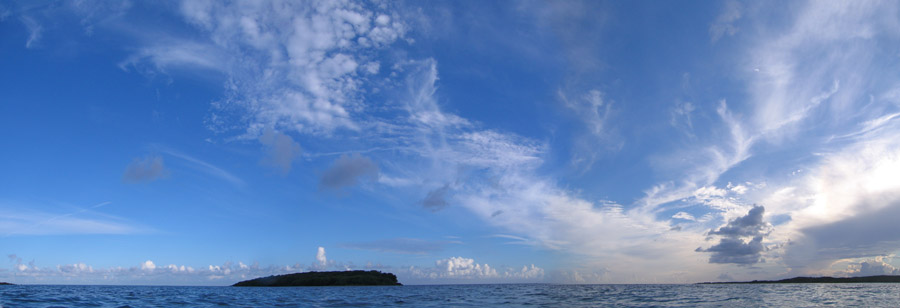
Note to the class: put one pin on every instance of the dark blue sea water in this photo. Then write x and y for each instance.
(529, 295)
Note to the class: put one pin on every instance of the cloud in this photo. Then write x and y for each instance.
(732, 248)
(464, 267)
(147, 169)
(280, 150)
(294, 67)
(724, 23)
(147, 272)
(148, 266)
(736, 251)
(320, 256)
(401, 245)
(594, 111)
(203, 166)
(683, 215)
(466, 270)
(871, 267)
(750, 225)
(20, 220)
(347, 170)
(499, 172)
(840, 207)
(437, 198)
(34, 31)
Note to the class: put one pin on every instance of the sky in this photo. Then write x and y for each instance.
(208, 142)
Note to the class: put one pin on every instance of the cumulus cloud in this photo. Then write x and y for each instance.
(281, 150)
(347, 170)
(75, 269)
(148, 266)
(466, 270)
(732, 248)
(147, 169)
(320, 256)
(143, 273)
(750, 225)
(463, 267)
(871, 267)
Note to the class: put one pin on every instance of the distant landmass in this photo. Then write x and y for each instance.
(320, 279)
(6, 284)
(865, 279)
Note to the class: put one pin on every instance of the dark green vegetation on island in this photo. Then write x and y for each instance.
(866, 279)
(320, 279)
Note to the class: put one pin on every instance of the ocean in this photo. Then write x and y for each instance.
(499, 295)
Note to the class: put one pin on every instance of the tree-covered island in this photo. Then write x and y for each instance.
(319, 279)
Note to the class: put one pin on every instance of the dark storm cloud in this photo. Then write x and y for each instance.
(347, 170)
(732, 248)
(868, 234)
(736, 251)
(750, 225)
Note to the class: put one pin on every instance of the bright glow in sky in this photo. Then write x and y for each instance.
(200, 142)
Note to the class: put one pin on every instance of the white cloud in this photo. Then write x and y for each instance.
(849, 190)
(20, 220)
(594, 111)
(591, 107)
(35, 31)
(177, 55)
(308, 58)
(870, 267)
(724, 23)
(203, 166)
(496, 178)
(467, 270)
(739, 189)
(683, 215)
(463, 267)
(148, 266)
(320, 256)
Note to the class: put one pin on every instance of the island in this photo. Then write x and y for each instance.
(6, 284)
(826, 279)
(322, 279)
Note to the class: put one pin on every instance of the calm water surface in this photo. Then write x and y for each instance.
(528, 295)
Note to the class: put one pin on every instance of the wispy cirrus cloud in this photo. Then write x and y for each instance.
(201, 165)
(24, 221)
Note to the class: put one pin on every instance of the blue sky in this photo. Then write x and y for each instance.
(202, 143)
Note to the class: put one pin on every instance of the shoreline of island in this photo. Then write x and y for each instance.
(823, 279)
